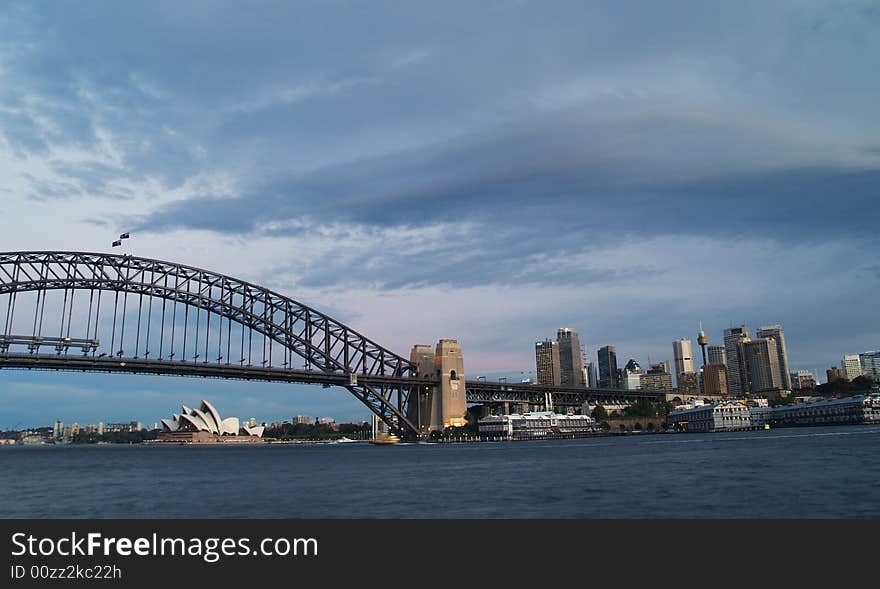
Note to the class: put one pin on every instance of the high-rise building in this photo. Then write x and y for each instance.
(100, 428)
(548, 363)
(715, 379)
(608, 367)
(852, 366)
(58, 429)
(683, 356)
(592, 376)
(762, 360)
(734, 337)
(775, 332)
(687, 383)
(834, 373)
(302, 420)
(870, 362)
(657, 378)
(571, 360)
(717, 355)
(802, 379)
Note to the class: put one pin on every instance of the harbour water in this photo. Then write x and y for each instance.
(820, 472)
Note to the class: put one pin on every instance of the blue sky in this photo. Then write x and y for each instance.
(421, 170)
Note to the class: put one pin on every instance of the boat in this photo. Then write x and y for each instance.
(383, 438)
(766, 426)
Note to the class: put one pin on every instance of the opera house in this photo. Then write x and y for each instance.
(204, 426)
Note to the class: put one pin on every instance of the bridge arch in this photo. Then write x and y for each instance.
(332, 352)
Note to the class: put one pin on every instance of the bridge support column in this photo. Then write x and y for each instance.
(442, 402)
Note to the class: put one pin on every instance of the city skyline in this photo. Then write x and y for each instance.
(489, 173)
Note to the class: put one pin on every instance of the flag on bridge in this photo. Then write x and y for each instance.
(124, 236)
(118, 242)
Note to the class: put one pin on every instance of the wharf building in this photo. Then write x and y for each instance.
(861, 409)
(721, 416)
(608, 373)
(536, 425)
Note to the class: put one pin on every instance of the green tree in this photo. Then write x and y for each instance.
(599, 413)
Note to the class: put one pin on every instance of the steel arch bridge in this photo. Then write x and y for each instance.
(121, 313)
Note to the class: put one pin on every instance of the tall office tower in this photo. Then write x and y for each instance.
(717, 355)
(734, 337)
(715, 379)
(657, 378)
(852, 367)
(592, 378)
(608, 367)
(100, 428)
(58, 429)
(762, 359)
(775, 331)
(834, 373)
(571, 361)
(870, 362)
(683, 356)
(688, 383)
(547, 361)
(802, 379)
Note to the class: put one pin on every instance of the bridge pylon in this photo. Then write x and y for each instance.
(441, 401)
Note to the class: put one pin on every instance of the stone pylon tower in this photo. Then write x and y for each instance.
(439, 405)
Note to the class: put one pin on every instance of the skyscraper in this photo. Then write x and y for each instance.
(852, 367)
(571, 361)
(592, 376)
(870, 362)
(715, 379)
(762, 359)
(683, 356)
(547, 362)
(717, 355)
(608, 367)
(775, 331)
(734, 337)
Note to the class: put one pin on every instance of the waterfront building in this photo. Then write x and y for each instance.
(715, 380)
(851, 365)
(778, 335)
(548, 363)
(58, 430)
(762, 366)
(683, 356)
(717, 355)
(536, 425)
(204, 425)
(608, 373)
(734, 337)
(802, 379)
(870, 362)
(722, 416)
(861, 409)
(571, 360)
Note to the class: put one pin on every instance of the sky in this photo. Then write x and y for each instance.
(488, 172)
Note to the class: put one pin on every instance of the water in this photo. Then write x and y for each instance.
(829, 472)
